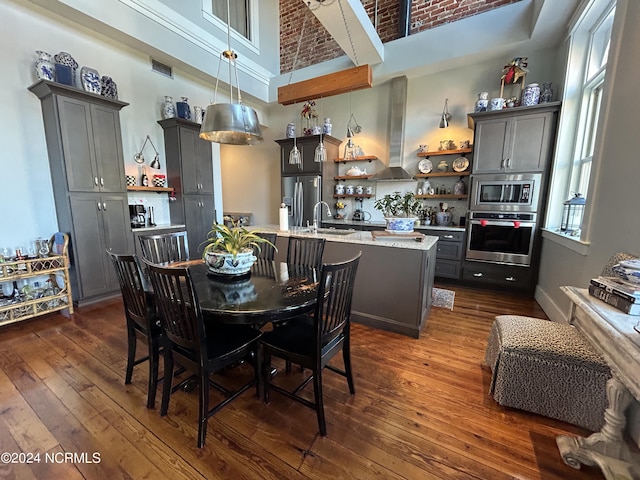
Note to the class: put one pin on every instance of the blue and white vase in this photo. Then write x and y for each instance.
(108, 88)
(44, 66)
(184, 111)
(327, 127)
(531, 95)
(483, 102)
(168, 110)
(63, 58)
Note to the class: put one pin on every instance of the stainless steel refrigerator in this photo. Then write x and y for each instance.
(300, 193)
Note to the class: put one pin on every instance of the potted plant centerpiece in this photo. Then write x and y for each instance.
(400, 211)
(229, 249)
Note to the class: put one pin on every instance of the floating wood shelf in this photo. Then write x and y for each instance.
(368, 158)
(451, 196)
(460, 151)
(442, 174)
(149, 189)
(352, 177)
(355, 195)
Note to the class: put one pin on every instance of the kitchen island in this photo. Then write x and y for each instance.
(394, 280)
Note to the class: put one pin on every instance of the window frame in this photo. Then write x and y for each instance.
(251, 43)
(578, 124)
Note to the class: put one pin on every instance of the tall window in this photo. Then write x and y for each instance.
(239, 18)
(584, 89)
(595, 65)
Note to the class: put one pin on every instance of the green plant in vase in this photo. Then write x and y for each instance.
(229, 250)
(400, 211)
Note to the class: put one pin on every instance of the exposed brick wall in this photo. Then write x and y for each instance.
(318, 46)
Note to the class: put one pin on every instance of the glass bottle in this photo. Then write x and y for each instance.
(144, 181)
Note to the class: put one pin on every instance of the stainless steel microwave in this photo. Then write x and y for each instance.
(506, 192)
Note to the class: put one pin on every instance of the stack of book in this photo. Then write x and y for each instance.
(615, 292)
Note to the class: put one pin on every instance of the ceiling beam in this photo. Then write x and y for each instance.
(336, 83)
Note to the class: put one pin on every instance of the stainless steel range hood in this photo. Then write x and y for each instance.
(397, 110)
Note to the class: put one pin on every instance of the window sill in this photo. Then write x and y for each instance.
(572, 243)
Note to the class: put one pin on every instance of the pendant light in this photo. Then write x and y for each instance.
(294, 155)
(230, 123)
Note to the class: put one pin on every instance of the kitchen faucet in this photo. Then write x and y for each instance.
(315, 218)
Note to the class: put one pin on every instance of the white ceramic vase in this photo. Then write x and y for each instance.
(222, 263)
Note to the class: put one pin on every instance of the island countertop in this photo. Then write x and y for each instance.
(348, 236)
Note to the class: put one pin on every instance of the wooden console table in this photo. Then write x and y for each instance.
(612, 334)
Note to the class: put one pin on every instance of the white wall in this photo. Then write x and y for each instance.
(257, 168)
(613, 203)
(29, 210)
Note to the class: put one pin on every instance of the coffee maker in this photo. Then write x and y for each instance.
(137, 215)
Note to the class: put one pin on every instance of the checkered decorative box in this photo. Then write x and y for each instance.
(159, 180)
(131, 180)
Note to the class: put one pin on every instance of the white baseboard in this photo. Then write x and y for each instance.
(550, 307)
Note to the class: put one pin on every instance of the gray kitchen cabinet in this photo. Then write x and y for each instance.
(449, 253)
(92, 146)
(499, 276)
(84, 143)
(307, 146)
(102, 219)
(514, 140)
(199, 216)
(190, 173)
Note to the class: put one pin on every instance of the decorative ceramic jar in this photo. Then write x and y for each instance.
(339, 189)
(359, 189)
(184, 111)
(460, 188)
(349, 190)
(44, 66)
(483, 102)
(443, 218)
(223, 263)
(400, 224)
(496, 104)
(291, 130)
(327, 127)
(531, 95)
(546, 95)
(168, 110)
(108, 88)
(63, 58)
(198, 114)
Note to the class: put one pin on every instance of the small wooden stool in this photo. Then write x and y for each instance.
(547, 368)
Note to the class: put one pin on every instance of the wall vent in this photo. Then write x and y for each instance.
(161, 68)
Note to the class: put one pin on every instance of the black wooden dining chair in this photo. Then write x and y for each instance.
(204, 351)
(305, 251)
(142, 320)
(266, 251)
(312, 342)
(165, 247)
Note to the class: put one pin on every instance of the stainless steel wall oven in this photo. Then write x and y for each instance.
(501, 237)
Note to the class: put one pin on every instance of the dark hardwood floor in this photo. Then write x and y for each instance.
(421, 409)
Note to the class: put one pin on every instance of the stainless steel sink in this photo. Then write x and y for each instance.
(331, 231)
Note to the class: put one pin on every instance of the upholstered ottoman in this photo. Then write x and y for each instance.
(547, 368)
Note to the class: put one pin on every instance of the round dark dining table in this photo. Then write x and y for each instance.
(272, 292)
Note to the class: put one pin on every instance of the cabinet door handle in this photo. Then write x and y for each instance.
(478, 274)
(508, 163)
(99, 206)
(447, 236)
(511, 279)
(104, 206)
(95, 180)
(101, 182)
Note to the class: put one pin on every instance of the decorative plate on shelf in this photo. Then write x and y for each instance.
(90, 80)
(460, 164)
(425, 165)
